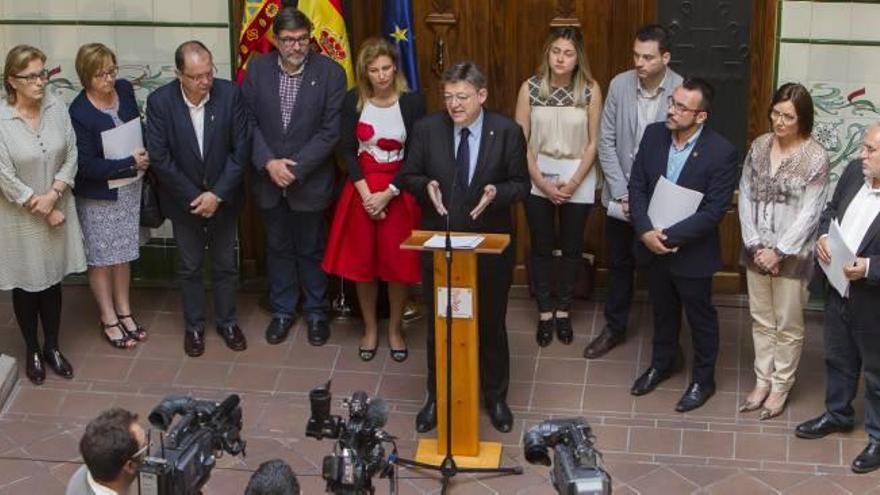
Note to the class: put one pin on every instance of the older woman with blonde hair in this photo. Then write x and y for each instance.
(109, 215)
(41, 241)
(373, 216)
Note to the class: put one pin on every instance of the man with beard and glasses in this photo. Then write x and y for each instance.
(682, 258)
(294, 96)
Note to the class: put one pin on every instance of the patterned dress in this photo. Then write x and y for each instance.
(111, 228)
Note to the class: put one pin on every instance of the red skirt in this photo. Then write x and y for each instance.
(362, 249)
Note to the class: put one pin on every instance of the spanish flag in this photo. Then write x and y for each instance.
(328, 36)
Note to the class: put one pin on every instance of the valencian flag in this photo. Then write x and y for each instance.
(329, 34)
(397, 26)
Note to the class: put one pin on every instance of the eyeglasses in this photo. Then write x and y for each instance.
(459, 97)
(208, 76)
(291, 41)
(112, 72)
(141, 453)
(43, 75)
(787, 118)
(678, 107)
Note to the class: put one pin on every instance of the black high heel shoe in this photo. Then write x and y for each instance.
(545, 331)
(564, 330)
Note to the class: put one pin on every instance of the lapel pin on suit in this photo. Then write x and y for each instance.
(314, 82)
(212, 117)
(491, 133)
(696, 153)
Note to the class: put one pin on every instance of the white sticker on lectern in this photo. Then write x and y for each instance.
(462, 302)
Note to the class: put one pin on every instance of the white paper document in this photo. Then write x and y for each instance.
(561, 171)
(841, 256)
(615, 210)
(462, 302)
(438, 241)
(121, 142)
(672, 203)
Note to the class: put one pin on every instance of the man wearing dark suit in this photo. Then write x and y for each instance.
(682, 258)
(197, 139)
(294, 97)
(852, 323)
(475, 160)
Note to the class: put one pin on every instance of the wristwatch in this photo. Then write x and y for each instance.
(394, 190)
(779, 253)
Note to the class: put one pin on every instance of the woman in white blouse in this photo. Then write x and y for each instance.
(42, 241)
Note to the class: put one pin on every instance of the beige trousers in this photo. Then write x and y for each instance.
(777, 308)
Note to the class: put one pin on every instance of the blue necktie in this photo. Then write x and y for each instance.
(463, 160)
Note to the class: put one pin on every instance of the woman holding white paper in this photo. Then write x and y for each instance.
(559, 109)
(109, 214)
(781, 195)
(41, 240)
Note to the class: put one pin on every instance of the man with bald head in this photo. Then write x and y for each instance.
(852, 321)
(197, 132)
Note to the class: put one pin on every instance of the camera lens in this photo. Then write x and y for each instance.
(320, 400)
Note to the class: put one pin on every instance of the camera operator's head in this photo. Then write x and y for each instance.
(113, 447)
(273, 478)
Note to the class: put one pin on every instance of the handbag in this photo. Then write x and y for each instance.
(151, 210)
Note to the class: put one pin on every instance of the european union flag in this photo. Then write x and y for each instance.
(397, 26)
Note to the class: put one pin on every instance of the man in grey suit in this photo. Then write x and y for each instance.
(113, 448)
(636, 98)
(294, 96)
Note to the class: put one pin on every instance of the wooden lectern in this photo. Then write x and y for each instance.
(467, 449)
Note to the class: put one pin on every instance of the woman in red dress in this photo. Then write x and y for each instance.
(373, 216)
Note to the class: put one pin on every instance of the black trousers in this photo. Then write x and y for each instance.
(494, 276)
(852, 345)
(669, 293)
(32, 307)
(552, 226)
(619, 238)
(217, 234)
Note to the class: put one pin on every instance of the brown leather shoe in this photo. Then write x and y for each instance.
(604, 342)
(233, 336)
(194, 342)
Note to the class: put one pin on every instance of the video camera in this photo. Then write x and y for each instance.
(359, 453)
(578, 467)
(188, 451)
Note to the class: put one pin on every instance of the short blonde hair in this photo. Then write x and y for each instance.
(371, 49)
(17, 60)
(91, 59)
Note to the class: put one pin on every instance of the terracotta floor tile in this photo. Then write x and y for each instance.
(707, 444)
(554, 396)
(738, 485)
(654, 440)
(820, 451)
(615, 373)
(760, 447)
(556, 370)
(662, 481)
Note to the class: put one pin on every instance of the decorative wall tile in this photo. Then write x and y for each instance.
(133, 10)
(210, 10)
(794, 60)
(796, 19)
(864, 21)
(95, 10)
(831, 20)
(177, 11)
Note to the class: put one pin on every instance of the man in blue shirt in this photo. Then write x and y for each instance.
(682, 258)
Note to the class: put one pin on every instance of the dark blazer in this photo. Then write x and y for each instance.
(501, 161)
(412, 108)
(310, 137)
(864, 294)
(710, 169)
(174, 151)
(94, 170)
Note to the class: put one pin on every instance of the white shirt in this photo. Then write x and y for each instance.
(859, 216)
(647, 105)
(197, 114)
(96, 487)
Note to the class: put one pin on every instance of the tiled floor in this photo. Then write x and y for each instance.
(648, 447)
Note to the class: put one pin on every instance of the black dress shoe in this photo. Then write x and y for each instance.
(194, 343)
(278, 330)
(820, 427)
(695, 396)
(648, 381)
(868, 460)
(319, 332)
(34, 368)
(233, 336)
(544, 335)
(59, 364)
(603, 343)
(426, 419)
(564, 331)
(501, 417)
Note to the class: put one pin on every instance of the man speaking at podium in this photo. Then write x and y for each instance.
(470, 164)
